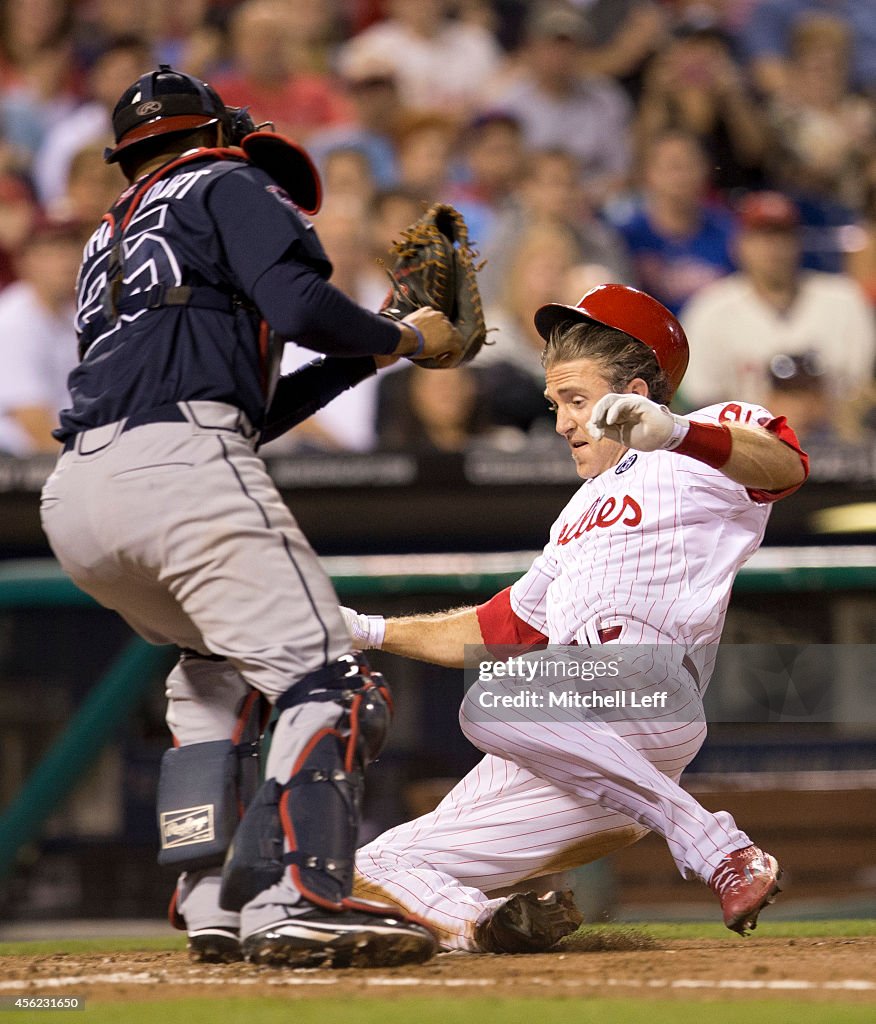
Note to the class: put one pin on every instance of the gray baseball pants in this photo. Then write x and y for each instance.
(178, 527)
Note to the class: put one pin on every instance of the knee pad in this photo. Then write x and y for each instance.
(203, 791)
(199, 796)
(309, 825)
(364, 696)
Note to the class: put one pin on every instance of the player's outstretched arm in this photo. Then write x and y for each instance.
(761, 461)
(752, 456)
(440, 638)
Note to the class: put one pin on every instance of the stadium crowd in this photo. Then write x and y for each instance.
(721, 155)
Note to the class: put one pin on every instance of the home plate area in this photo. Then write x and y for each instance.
(615, 963)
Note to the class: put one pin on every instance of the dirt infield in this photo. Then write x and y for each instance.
(629, 964)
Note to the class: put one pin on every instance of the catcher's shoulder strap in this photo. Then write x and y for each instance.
(286, 163)
(113, 302)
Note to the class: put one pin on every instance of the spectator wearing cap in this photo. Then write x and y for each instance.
(38, 339)
(772, 307)
(371, 86)
(796, 388)
(439, 62)
(560, 107)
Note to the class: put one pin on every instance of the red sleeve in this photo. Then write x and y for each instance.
(500, 625)
(779, 426)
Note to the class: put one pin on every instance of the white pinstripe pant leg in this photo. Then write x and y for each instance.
(611, 764)
(500, 825)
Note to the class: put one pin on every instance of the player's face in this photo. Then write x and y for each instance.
(572, 389)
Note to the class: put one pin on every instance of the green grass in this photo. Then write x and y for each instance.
(660, 932)
(173, 940)
(765, 929)
(459, 1011)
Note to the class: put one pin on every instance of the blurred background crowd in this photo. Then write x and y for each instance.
(721, 155)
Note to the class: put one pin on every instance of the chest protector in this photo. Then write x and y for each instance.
(289, 167)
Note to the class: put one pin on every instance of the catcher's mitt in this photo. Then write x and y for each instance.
(434, 265)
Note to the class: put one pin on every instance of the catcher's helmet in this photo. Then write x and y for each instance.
(631, 311)
(162, 102)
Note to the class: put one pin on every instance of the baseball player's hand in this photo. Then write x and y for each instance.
(366, 631)
(441, 341)
(636, 422)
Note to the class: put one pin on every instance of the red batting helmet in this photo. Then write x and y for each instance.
(631, 311)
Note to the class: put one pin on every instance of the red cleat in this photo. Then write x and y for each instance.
(745, 882)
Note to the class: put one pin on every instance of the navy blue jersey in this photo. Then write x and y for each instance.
(227, 232)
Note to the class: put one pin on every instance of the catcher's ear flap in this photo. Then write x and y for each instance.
(289, 166)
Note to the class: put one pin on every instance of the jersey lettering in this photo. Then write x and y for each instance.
(733, 413)
(603, 513)
(174, 188)
(148, 259)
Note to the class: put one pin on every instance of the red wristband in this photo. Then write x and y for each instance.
(708, 442)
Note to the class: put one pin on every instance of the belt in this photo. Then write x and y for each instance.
(687, 662)
(613, 632)
(170, 413)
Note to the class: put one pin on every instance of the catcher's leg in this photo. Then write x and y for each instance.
(205, 783)
(496, 828)
(290, 869)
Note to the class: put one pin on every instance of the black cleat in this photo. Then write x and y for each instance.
(526, 923)
(346, 938)
(214, 946)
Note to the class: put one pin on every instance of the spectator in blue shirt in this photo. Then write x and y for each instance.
(678, 241)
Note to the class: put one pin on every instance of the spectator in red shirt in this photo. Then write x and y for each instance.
(264, 79)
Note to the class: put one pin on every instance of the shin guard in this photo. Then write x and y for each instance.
(309, 825)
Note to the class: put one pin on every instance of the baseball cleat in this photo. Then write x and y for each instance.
(526, 923)
(214, 946)
(745, 881)
(322, 938)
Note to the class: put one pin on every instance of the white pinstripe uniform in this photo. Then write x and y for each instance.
(645, 553)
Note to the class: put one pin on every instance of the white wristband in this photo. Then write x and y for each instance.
(376, 630)
(366, 631)
(680, 427)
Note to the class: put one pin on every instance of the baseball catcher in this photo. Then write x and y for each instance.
(162, 509)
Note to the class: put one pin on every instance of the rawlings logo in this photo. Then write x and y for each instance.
(149, 107)
(602, 513)
(187, 825)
